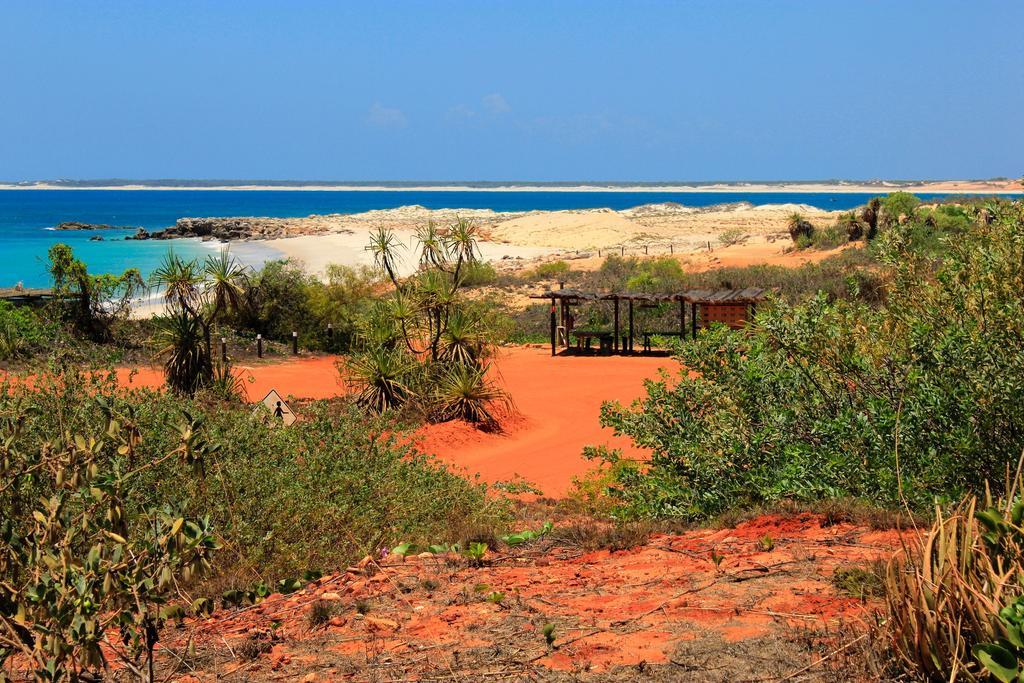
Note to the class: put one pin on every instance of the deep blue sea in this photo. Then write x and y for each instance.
(25, 216)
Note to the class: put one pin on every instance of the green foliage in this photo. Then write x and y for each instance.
(898, 207)
(197, 296)
(527, 535)
(799, 227)
(916, 399)
(425, 343)
(180, 341)
(331, 488)
(464, 393)
(86, 573)
(479, 273)
(282, 298)
(383, 378)
(732, 236)
(551, 269)
(23, 332)
(92, 303)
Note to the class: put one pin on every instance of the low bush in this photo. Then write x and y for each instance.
(551, 269)
(282, 298)
(916, 399)
(282, 500)
(23, 332)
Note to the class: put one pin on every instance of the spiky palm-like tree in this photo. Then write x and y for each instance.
(381, 378)
(464, 341)
(181, 344)
(196, 294)
(799, 227)
(464, 392)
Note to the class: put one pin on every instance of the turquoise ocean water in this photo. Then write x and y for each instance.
(27, 216)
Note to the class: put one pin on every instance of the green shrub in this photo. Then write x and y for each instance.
(329, 489)
(551, 269)
(479, 273)
(898, 207)
(23, 332)
(918, 398)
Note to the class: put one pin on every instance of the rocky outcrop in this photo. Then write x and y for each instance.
(235, 229)
(77, 225)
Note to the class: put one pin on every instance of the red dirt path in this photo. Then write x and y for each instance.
(558, 401)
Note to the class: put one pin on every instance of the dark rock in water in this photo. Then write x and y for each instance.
(140, 234)
(96, 238)
(76, 225)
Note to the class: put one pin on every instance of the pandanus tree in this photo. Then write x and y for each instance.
(197, 295)
(424, 343)
(799, 227)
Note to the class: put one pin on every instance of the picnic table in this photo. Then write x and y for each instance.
(584, 337)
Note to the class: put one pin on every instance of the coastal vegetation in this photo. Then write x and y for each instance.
(424, 345)
(885, 376)
(122, 509)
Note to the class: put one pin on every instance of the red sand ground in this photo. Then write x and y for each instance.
(558, 401)
(559, 404)
(654, 612)
(315, 377)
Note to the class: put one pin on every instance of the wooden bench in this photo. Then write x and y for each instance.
(584, 338)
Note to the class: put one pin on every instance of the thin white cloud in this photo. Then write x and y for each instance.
(386, 117)
(460, 112)
(496, 104)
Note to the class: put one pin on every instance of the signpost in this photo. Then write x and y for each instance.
(276, 406)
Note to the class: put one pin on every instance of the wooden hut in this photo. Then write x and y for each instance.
(732, 307)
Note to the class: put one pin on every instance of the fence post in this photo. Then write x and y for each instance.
(295, 343)
(223, 350)
(330, 336)
(259, 346)
(670, 250)
(622, 251)
(645, 250)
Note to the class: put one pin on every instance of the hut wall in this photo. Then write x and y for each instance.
(732, 315)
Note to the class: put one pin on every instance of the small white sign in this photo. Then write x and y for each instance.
(277, 408)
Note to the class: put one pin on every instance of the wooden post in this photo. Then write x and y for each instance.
(330, 336)
(682, 320)
(554, 324)
(693, 318)
(223, 350)
(622, 251)
(630, 349)
(598, 253)
(295, 343)
(645, 250)
(670, 250)
(259, 346)
(615, 333)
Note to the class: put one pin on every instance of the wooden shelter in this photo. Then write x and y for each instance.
(731, 307)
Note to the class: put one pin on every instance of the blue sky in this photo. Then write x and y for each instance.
(560, 90)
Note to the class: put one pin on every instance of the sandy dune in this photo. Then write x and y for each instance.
(527, 236)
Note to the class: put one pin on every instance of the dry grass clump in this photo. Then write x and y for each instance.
(597, 536)
(944, 594)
